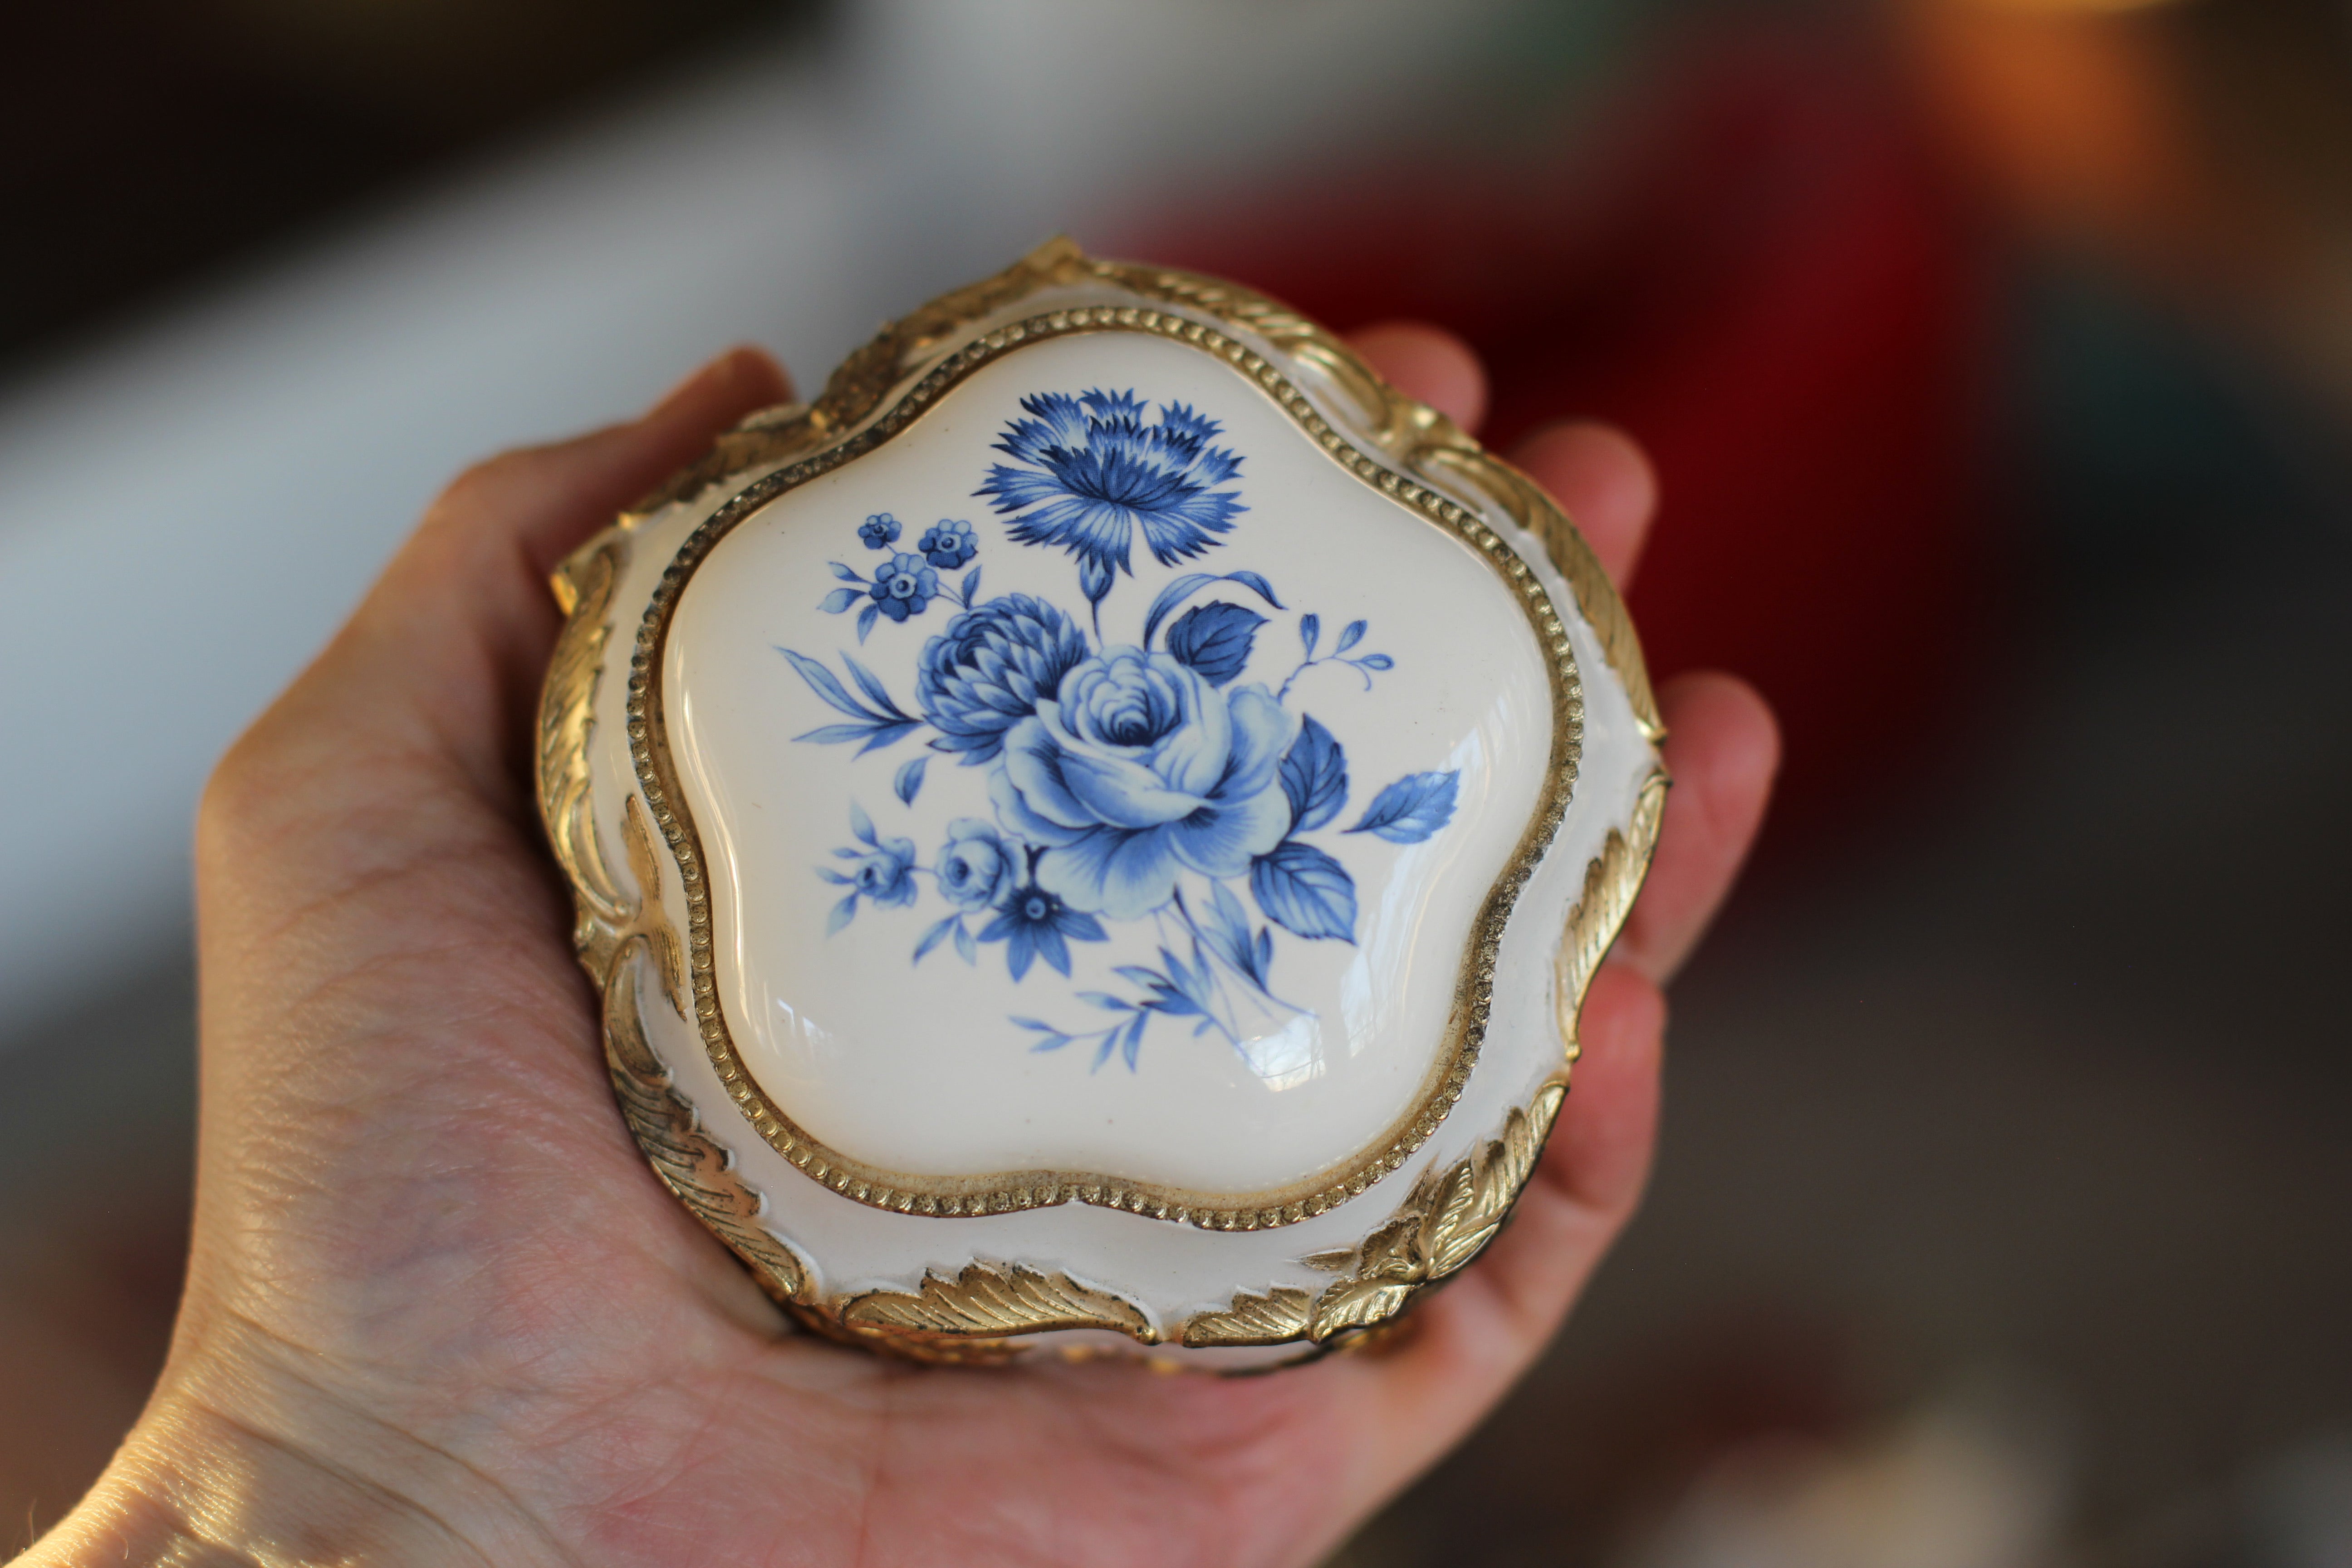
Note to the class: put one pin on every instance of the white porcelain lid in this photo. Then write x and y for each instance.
(1104, 796)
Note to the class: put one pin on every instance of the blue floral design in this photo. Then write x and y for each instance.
(1087, 471)
(1139, 768)
(1130, 782)
(948, 544)
(974, 867)
(884, 871)
(905, 587)
(1033, 923)
(989, 670)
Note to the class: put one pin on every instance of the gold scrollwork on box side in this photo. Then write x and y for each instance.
(619, 936)
(688, 1161)
(606, 918)
(1444, 1222)
(1277, 1318)
(985, 1302)
(1611, 882)
(567, 714)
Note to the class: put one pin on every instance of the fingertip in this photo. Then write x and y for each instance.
(1599, 1156)
(1723, 747)
(1605, 483)
(1722, 732)
(1429, 364)
(744, 378)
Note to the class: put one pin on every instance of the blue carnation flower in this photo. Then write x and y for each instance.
(1090, 472)
(905, 586)
(948, 544)
(990, 668)
(879, 530)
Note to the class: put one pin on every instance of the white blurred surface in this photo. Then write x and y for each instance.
(188, 510)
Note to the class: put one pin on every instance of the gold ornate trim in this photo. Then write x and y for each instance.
(691, 1164)
(1443, 1223)
(1611, 882)
(983, 1301)
(1011, 1191)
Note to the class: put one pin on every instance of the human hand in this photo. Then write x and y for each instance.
(438, 1309)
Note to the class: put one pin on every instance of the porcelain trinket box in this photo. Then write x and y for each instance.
(1095, 832)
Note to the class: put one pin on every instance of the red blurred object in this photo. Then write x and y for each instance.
(1775, 290)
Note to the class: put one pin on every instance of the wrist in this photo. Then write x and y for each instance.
(250, 1464)
(190, 1486)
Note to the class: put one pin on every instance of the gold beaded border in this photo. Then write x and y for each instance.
(1012, 1192)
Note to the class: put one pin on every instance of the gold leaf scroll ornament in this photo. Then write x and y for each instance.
(973, 1316)
(1444, 1222)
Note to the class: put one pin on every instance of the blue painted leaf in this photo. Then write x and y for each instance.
(821, 681)
(1134, 1038)
(1105, 1000)
(873, 688)
(1377, 661)
(1411, 809)
(1020, 1023)
(1304, 890)
(844, 573)
(840, 913)
(935, 935)
(884, 734)
(1193, 977)
(1166, 996)
(1054, 1039)
(865, 620)
(1314, 777)
(1348, 637)
(965, 948)
(839, 600)
(909, 780)
(859, 823)
(970, 589)
(835, 877)
(1227, 930)
(1192, 583)
(1264, 950)
(1311, 632)
(1214, 639)
(834, 734)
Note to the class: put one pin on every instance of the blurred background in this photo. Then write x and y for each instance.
(1995, 356)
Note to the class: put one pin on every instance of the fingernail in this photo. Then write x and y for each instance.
(715, 373)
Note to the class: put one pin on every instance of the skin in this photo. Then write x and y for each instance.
(438, 1308)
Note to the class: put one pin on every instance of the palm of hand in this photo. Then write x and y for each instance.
(439, 1310)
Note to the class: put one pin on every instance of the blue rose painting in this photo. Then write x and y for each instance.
(1126, 783)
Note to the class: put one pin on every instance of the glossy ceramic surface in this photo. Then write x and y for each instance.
(1096, 843)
